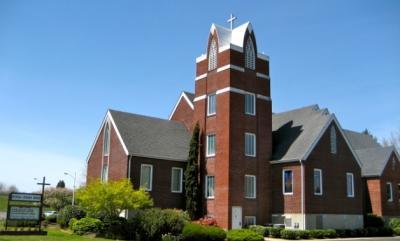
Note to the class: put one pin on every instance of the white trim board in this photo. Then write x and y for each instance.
(183, 95)
(107, 117)
(234, 90)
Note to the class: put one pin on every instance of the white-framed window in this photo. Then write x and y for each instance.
(211, 104)
(106, 140)
(104, 172)
(318, 182)
(249, 220)
(350, 184)
(389, 192)
(212, 55)
(250, 56)
(210, 145)
(250, 104)
(287, 182)
(250, 144)
(250, 186)
(176, 179)
(210, 184)
(146, 176)
(333, 140)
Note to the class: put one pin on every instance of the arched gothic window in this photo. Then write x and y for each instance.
(250, 60)
(212, 56)
(106, 141)
(333, 140)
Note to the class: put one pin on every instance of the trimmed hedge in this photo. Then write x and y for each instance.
(69, 212)
(260, 230)
(86, 225)
(394, 223)
(244, 235)
(197, 232)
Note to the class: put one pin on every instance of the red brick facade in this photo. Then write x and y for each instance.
(183, 113)
(378, 202)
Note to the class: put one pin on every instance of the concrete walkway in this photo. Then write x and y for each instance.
(348, 239)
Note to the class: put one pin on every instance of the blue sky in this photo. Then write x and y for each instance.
(64, 63)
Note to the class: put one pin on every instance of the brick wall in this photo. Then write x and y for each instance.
(183, 113)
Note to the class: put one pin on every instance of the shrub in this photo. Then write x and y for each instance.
(118, 228)
(394, 223)
(151, 224)
(288, 234)
(260, 230)
(207, 221)
(68, 213)
(345, 233)
(170, 237)
(72, 222)
(51, 218)
(373, 221)
(87, 225)
(317, 233)
(330, 233)
(396, 231)
(244, 235)
(274, 232)
(197, 232)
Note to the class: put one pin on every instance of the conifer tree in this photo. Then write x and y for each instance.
(192, 185)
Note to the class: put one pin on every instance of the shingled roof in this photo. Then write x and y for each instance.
(373, 156)
(152, 137)
(295, 131)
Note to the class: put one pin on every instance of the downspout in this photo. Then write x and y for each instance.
(302, 195)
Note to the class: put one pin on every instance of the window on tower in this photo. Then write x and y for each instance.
(250, 58)
(212, 56)
(106, 141)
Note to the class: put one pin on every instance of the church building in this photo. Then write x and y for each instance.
(295, 168)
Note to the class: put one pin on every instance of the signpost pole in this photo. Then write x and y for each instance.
(43, 183)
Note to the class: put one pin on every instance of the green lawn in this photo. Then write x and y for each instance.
(54, 234)
(3, 203)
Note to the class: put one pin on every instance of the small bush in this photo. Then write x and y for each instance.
(274, 232)
(170, 237)
(244, 235)
(260, 230)
(396, 231)
(303, 234)
(394, 223)
(118, 228)
(197, 232)
(72, 222)
(69, 212)
(317, 233)
(373, 221)
(207, 221)
(87, 225)
(289, 234)
(51, 218)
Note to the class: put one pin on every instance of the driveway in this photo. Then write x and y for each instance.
(349, 239)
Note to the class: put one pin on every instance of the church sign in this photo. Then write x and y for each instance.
(25, 197)
(24, 213)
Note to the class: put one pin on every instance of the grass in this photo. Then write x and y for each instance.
(3, 203)
(54, 234)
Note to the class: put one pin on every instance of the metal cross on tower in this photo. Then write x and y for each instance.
(231, 19)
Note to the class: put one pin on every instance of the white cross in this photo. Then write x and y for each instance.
(231, 19)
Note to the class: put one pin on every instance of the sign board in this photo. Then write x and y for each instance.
(28, 213)
(25, 197)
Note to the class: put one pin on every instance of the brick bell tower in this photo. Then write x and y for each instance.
(233, 107)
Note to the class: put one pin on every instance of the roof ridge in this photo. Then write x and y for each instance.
(314, 106)
(144, 116)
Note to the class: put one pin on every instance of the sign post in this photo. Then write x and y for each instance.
(43, 183)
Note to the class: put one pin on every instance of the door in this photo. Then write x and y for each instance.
(236, 217)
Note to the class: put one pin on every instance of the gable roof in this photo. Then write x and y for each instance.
(189, 97)
(295, 132)
(373, 156)
(152, 137)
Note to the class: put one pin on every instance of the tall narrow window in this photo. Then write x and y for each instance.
(389, 192)
(104, 172)
(212, 56)
(211, 104)
(250, 186)
(146, 176)
(210, 145)
(250, 61)
(250, 144)
(210, 182)
(317, 181)
(350, 184)
(106, 141)
(176, 179)
(250, 104)
(333, 140)
(287, 181)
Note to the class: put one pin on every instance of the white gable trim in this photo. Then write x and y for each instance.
(183, 95)
(230, 66)
(388, 159)
(316, 141)
(107, 117)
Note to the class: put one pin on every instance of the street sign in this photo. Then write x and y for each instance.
(25, 213)
(25, 197)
